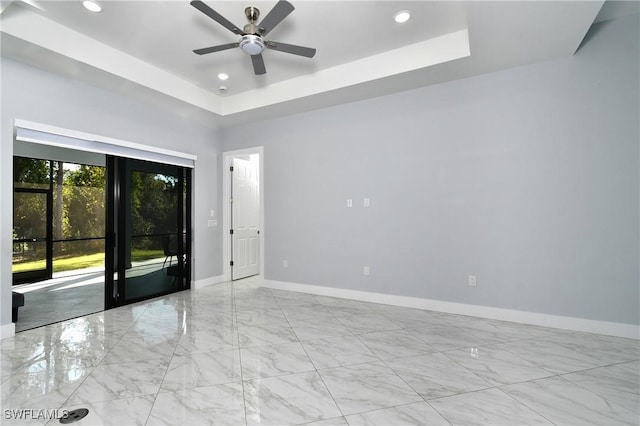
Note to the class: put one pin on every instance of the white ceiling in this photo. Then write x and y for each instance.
(145, 48)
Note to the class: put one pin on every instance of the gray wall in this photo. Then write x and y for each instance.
(527, 178)
(35, 95)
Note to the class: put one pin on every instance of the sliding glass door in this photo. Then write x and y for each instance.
(73, 223)
(58, 218)
(149, 215)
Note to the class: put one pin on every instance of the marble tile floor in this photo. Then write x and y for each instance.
(71, 294)
(67, 295)
(240, 354)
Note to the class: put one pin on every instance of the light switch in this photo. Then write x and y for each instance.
(349, 202)
(212, 213)
(367, 202)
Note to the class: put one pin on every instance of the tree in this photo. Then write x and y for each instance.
(153, 206)
(31, 173)
(84, 205)
(29, 209)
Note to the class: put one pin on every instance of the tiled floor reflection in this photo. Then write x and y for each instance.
(239, 354)
(68, 294)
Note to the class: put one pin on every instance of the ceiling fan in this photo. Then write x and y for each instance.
(252, 40)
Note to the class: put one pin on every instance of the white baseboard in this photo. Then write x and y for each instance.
(629, 331)
(207, 282)
(7, 330)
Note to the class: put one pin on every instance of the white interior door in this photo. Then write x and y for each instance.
(245, 218)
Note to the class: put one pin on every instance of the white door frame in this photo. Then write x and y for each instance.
(227, 162)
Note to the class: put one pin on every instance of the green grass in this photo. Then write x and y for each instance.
(63, 264)
(83, 261)
(138, 255)
(28, 266)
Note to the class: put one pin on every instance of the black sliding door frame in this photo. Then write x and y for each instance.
(118, 257)
(111, 295)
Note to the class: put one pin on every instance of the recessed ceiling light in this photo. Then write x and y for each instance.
(223, 76)
(402, 16)
(92, 6)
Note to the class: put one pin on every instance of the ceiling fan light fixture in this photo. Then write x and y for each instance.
(92, 6)
(251, 38)
(252, 44)
(402, 16)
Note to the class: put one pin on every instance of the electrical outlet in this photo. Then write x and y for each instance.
(366, 270)
(349, 202)
(472, 280)
(285, 264)
(367, 202)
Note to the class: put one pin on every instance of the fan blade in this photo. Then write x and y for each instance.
(292, 48)
(212, 49)
(258, 64)
(281, 10)
(216, 17)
